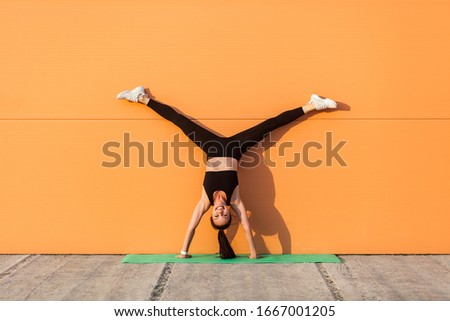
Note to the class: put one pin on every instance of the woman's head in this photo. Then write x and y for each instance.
(221, 220)
(220, 215)
(225, 249)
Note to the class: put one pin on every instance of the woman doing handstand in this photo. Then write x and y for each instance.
(220, 184)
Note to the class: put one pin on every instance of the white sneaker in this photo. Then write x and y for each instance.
(322, 103)
(132, 95)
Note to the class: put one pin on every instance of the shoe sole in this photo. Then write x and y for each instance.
(119, 96)
(127, 92)
(330, 103)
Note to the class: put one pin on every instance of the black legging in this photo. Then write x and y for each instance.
(216, 146)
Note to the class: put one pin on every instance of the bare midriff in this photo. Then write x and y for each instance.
(218, 164)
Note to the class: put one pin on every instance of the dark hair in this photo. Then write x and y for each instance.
(225, 249)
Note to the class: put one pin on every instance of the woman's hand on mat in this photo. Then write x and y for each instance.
(184, 256)
(254, 256)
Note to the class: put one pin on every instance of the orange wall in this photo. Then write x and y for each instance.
(228, 65)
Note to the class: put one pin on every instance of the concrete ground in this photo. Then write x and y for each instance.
(104, 277)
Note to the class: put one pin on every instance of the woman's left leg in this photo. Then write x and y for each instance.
(253, 135)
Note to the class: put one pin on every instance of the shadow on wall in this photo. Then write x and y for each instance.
(258, 193)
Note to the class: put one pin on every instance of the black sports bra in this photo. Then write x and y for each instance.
(220, 181)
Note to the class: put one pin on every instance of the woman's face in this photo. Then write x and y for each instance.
(221, 214)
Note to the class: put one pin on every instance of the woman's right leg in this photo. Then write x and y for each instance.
(198, 134)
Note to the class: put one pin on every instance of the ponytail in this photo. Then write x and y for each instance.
(225, 249)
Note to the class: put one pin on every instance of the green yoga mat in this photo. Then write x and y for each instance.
(240, 259)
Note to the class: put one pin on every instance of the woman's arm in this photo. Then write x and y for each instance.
(202, 206)
(238, 207)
